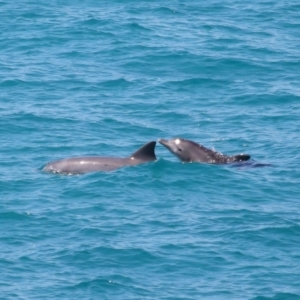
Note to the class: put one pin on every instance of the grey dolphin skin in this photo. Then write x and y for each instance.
(81, 165)
(189, 151)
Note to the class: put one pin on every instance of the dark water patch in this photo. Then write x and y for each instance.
(31, 15)
(195, 83)
(14, 217)
(279, 296)
(275, 101)
(92, 21)
(98, 284)
(107, 286)
(12, 83)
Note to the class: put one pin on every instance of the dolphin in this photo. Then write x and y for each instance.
(189, 151)
(86, 164)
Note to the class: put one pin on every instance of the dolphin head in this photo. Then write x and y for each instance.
(183, 149)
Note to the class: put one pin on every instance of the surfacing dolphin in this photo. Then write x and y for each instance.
(86, 164)
(189, 151)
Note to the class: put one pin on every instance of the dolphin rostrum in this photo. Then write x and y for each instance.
(86, 164)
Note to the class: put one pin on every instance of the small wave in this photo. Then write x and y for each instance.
(165, 11)
(190, 82)
(115, 83)
(134, 26)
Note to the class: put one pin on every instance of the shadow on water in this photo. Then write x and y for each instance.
(250, 164)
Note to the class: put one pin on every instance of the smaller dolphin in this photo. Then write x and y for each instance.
(189, 151)
(86, 164)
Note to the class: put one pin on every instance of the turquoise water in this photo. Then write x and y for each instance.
(105, 77)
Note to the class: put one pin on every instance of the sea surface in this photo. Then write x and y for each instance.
(105, 77)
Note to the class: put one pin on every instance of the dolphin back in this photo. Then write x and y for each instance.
(241, 157)
(85, 164)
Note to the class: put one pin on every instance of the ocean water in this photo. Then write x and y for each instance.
(105, 77)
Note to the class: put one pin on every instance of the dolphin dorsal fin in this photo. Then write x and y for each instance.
(146, 152)
(241, 157)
